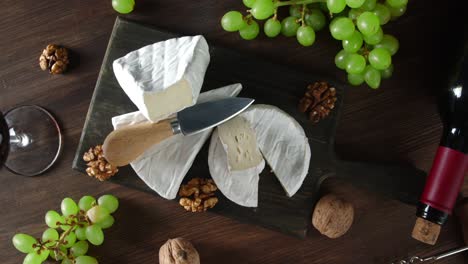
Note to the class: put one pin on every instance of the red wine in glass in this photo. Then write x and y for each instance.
(30, 140)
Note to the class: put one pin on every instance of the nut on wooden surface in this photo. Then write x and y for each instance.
(333, 216)
(198, 195)
(178, 251)
(98, 167)
(319, 100)
(426, 231)
(54, 59)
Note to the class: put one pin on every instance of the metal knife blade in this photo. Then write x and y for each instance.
(204, 116)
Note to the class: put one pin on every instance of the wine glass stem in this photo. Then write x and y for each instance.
(19, 139)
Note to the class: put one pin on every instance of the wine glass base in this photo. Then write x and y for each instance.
(35, 140)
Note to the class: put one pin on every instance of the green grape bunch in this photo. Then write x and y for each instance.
(67, 238)
(367, 51)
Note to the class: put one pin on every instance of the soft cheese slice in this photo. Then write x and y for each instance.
(283, 143)
(165, 77)
(164, 166)
(240, 143)
(239, 186)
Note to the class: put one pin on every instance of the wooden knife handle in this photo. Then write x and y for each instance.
(124, 145)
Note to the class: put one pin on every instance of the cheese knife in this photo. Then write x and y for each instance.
(124, 145)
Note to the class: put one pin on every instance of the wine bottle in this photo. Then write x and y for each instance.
(451, 160)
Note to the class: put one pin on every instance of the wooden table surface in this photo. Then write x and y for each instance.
(397, 123)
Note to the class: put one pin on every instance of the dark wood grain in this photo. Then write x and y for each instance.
(397, 123)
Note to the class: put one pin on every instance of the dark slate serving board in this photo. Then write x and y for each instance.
(267, 83)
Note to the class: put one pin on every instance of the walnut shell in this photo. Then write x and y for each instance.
(178, 251)
(333, 216)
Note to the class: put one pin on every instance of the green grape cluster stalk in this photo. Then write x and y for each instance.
(367, 51)
(67, 238)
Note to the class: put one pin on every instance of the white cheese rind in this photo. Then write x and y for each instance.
(165, 77)
(240, 142)
(164, 166)
(240, 187)
(283, 143)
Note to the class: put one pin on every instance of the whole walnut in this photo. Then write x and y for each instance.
(178, 251)
(333, 216)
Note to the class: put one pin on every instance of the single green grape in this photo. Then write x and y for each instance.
(353, 43)
(380, 58)
(355, 3)
(70, 240)
(387, 73)
(94, 235)
(123, 6)
(289, 26)
(53, 219)
(98, 212)
(355, 79)
(305, 36)
(295, 10)
(336, 6)
(80, 233)
(396, 11)
(79, 249)
(341, 59)
(383, 13)
(272, 27)
(32, 258)
(110, 202)
(67, 261)
(68, 207)
(44, 254)
(397, 3)
(368, 23)
(248, 3)
(372, 77)
(355, 63)
(316, 19)
(232, 21)
(375, 38)
(342, 28)
(250, 31)
(86, 202)
(369, 5)
(389, 43)
(24, 243)
(353, 14)
(85, 260)
(263, 9)
(50, 236)
(107, 222)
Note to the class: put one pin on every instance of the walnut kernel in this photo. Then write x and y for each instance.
(98, 166)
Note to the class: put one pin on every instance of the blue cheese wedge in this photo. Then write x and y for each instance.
(239, 186)
(240, 142)
(164, 166)
(283, 144)
(165, 77)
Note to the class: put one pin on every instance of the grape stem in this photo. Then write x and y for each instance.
(300, 2)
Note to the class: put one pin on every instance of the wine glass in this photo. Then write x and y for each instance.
(30, 140)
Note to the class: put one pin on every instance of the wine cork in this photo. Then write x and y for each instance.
(426, 231)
